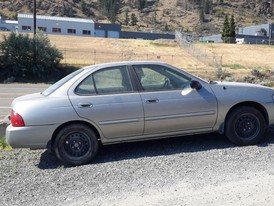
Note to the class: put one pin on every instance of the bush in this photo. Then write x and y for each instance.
(24, 58)
(222, 74)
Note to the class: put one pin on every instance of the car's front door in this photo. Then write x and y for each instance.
(108, 99)
(170, 105)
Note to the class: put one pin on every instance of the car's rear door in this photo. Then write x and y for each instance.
(170, 105)
(108, 98)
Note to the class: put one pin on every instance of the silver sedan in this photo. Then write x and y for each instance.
(133, 101)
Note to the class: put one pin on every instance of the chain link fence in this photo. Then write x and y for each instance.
(90, 57)
(95, 57)
(186, 42)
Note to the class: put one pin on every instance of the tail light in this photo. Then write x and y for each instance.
(17, 119)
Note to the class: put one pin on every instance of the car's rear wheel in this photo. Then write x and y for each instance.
(245, 126)
(76, 144)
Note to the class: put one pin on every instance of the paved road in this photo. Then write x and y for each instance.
(10, 91)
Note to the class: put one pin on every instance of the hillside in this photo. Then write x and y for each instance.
(152, 15)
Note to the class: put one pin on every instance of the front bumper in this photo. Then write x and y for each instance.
(33, 137)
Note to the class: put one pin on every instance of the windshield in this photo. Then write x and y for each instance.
(62, 81)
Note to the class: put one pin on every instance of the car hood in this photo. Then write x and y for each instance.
(242, 91)
(239, 85)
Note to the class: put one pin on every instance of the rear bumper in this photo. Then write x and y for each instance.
(33, 137)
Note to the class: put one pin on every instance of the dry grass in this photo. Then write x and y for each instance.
(238, 59)
(241, 58)
(91, 50)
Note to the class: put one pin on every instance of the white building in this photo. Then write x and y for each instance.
(56, 25)
(8, 25)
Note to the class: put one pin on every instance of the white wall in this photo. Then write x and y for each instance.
(59, 23)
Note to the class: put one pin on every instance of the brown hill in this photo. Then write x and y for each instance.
(156, 15)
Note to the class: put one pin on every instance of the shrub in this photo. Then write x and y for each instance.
(265, 78)
(222, 74)
(24, 58)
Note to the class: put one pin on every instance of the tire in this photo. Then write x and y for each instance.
(76, 144)
(245, 126)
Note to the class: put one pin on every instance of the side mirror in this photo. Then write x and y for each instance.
(195, 85)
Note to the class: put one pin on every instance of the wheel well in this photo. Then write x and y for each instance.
(255, 105)
(70, 123)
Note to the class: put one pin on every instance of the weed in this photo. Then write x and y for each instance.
(4, 145)
(222, 74)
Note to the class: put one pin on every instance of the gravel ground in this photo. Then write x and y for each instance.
(197, 170)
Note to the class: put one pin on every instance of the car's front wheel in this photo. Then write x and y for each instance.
(76, 144)
(245, 126)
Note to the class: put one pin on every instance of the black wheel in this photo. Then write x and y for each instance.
(76, 144)
(245, 126)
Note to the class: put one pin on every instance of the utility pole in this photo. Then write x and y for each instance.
(34, 17)
(34, 32)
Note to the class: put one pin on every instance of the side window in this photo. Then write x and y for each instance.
(112, 80)
(86, 87)
(155, 77)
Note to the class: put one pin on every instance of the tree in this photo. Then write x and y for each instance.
(85, 9)
(201, 14)
(25, 58)
(110, 8)
(232, 30)
(141, 4)
(207, 6)
(229, 30)
(226, 30)
(126, 17)
(134, 19)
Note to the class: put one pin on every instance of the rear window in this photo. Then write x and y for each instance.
(62, 81)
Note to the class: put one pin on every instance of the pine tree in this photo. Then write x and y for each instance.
(201, 14)
(110, 8)
(207, 6)
(226, 30)
(126, 17)
(133, 19)
(232, 30)
(229, 30)
(141, 4)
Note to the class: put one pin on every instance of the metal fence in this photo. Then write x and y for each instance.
(95, 56)
(90, 57)
(186, 42)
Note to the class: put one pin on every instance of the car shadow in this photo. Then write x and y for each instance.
(152, 148)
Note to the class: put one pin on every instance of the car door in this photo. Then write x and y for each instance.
(107, 98)
(170, 105)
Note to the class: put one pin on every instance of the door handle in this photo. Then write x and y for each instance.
(85, 105)
(148, 101)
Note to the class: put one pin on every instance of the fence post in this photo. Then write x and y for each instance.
(94, 56)
(65, 55)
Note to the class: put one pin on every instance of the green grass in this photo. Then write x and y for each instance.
(234, 66)
(4, 145)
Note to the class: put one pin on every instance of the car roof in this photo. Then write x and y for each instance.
(123, 63)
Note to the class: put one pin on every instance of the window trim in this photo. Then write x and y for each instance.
(86, 32)
(71, 31)
(56, 30)
(26, 28)
(41, 28)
